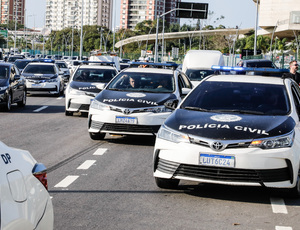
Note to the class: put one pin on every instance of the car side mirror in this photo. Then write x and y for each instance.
(171, 104)
(185, 91)
(17, 77)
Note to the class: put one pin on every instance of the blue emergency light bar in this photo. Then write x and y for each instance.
(248, 69)
(46, 60)
(152, 64)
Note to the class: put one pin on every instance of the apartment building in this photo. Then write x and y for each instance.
(279, 16)
(61, 14)
(12, 9)
(135, 11)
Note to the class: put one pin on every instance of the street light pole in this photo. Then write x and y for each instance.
(255, 37)
(81, 42)
(16, 9)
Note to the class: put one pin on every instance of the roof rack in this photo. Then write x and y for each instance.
(252, 71)
(153, 64)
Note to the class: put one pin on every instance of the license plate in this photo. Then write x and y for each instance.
(37, 85)
(126, 120)
(217, 160)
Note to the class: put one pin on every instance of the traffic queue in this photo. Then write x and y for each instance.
(238, 126)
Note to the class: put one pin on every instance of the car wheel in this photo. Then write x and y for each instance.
(68, 113)
(167, 183)
(23, 102)
(97, 136)
(8, 102)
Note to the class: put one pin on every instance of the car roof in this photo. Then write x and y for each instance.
(149, 70)
(247, 79)
(41, 63)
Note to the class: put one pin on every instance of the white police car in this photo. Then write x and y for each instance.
(43, 75)
(85, 84)
(133, 102)
(234, 130)
(25, 202)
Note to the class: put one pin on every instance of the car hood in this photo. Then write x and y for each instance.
(94, 87)
(229, 126)
(133, 99)
(3, 82)
(39, 76)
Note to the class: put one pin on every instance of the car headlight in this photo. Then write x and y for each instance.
(98, 105)
(52, 80)
(170, 135)
(3, 88)
(157, 109)
(75, 91)
(274, 142)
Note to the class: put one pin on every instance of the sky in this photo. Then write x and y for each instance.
(239, 13)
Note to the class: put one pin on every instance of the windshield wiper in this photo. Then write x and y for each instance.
(240, 111)
(196, 109)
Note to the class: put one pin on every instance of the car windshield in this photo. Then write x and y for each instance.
(39, 69)
(61, 65)
(4, 72)
(237, 97)
(146, 82)
(21, 64)
(94, 75)
(198, 74)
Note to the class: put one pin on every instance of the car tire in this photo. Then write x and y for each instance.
(68, 113)
(97, 136)
(22, 103)
(167, 183)
(8, 103)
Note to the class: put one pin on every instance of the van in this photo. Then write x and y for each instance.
(197, 64)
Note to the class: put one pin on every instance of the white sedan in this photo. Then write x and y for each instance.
(25, 202)
(133, 102)
(234, 130)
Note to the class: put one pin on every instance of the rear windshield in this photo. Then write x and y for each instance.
(259, 64)
(198, 74)
(61, 65)
(39, 69)
(94, 75)
(21, 64)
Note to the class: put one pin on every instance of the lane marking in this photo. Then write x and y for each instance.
(40, 109)
(66, 182)
(278, 205)
(59, 98)
(100, 151)
(283, 228)
(87, 164)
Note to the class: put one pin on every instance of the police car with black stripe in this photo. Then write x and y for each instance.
(233, 129)
(133, 102)
(87, 81)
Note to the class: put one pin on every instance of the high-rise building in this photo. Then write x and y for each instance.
(12, 10)
(135, 11)
(61, 14)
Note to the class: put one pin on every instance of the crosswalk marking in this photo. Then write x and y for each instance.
(86, 164)
(100, 151)
(66, 182)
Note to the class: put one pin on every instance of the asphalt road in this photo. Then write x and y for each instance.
(109, 184)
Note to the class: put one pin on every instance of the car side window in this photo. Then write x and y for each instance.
(186, 81)
(12, 73)
(296, 97)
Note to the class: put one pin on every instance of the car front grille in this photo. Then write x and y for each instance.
(79, 106)
(224, 174)
(125, 128)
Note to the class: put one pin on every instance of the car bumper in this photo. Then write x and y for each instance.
(79, 103)
(44, 87)
(276, 168)
(145, 123)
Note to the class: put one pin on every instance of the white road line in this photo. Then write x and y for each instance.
(278, 205)
(283, 228)
(66, 182)
(86, 164)
(40, 109)
(100, 151)
(59, 98)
